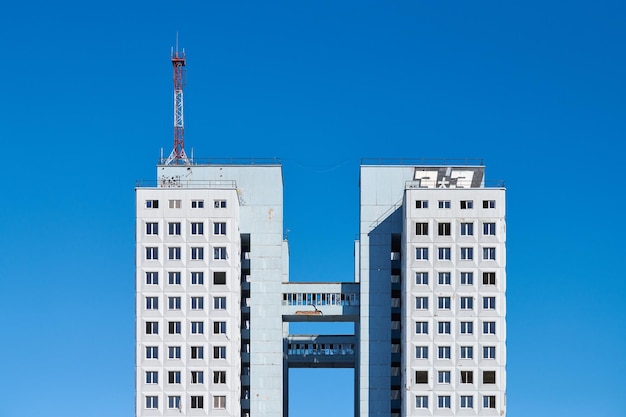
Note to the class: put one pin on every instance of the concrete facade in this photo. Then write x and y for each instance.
(214, 301)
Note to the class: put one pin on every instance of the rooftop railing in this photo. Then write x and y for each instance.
(424, 161)
(226, 161)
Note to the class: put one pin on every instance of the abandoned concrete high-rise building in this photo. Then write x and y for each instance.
(214, 301)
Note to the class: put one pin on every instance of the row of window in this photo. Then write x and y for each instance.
(174, 327)
(445, 254)
(174, 303)
(445, 278)
(464, 204)
(466, 401)
(196, 377)
(465, 327)
(466, 303)
(320, 299)
(196, 352)
(174, 278)
(445, 228)
(444, 352)
(467, 377)
(197, 253)
(176, 204)
(195, 228)
(196, 402)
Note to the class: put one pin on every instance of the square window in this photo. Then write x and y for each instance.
(197, 228)
(467, 229)
(173, 253)
(489, 303)
(173, 278)
(152, 253)
(444, 204)
(443, 377)
(443, 278)
(219, 278)
(467, 327)
(219, 352)
(489, 377)
(443, 254)
(421, 254)
(173, 303)
(489, 254)
(467, 377)
(219, 327)
(173, 352)
(489, 229)
(421, 204)
(219, 253)
(152, 377)
(152, 204)
(152, 228)
(197, 203)
(197, 352)
(219, 228)
(467, 401)
(152, 278)
(197, 401)
(489, 401)
(421, 229)
(173, 228)
(197, 278)
(152, 327)
(219, 402)
(197, 253)
(421, 401)
(467, 278)
(197, 377)
(421, 303)
(443, 303)
(174, 204)
(489, 327)
(421, 377)
(489, 278)
(173, 377)
(421, 327)
(443, 352)
(443, 401)
(219, 377)
(152, 352)
(489, 204)
(152, 402)
(467, 254)
(152, 303)
(467, 303)
(197, 327)
(467, 352)
(173, 327)
(421, 278)
(467, 204)
(443, 229)
(443, 327)
(173, 402)
(219, 203)
(421, 352)
(489, 352)
(197, 303)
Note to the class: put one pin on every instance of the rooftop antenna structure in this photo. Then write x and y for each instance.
(178, 156)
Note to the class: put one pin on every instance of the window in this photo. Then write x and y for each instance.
(467, 204)
(489, 327)
(152, 303)
(173, 401)
(421, 204)
(421, 352)
(489, 377)
(197, 278)
(421, 377)
(421, 229)
(197, 401)
(467, 327)
(467, 377)
(219, 203)
(489, 401)
(197, 327)
(197, 253)
(467, 253)
(219, 377)
(421, 278)
(197, 203)
(443, 377)
(219, 303)
(444, 204)
(197, 377)
(489, 204)
(152, 253)
(219, 327)
(219, 352)
(444, 254)
(197, 352)
(173, 352)
(467, 352)
(467, 303)
(443, 303)
(152, 402)
(467, 401)
(152, 278)
(467, 278)
(219, 402)
(443, 278)
(421, 303)
(489, 253)
(152, 204)
(489, 229)
(421, 254)
(421, 327)
(152, 377)
(219, 228)
(421, 401)
(467, 229)
(173, 303)
(219, 278)
(489, 352)
(443, 229)
(443, 352)
(173, 278)
(152, 327)
(173, 253)
(174, 204)
(173, 229)
(197, 228)
(152, 352)
(173, 377)
(489, 303)
(443, 327)
(489, 278)
(152, 228)
(197, 303)
(443, 401)
(219, 253)
(173, 327)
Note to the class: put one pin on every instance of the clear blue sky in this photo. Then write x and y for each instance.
(535, 88)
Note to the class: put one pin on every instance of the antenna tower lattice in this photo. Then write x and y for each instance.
(178, 155)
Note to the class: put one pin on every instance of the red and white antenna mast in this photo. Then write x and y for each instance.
(178, 155)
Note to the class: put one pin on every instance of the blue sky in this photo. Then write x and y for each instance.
(535, 88)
